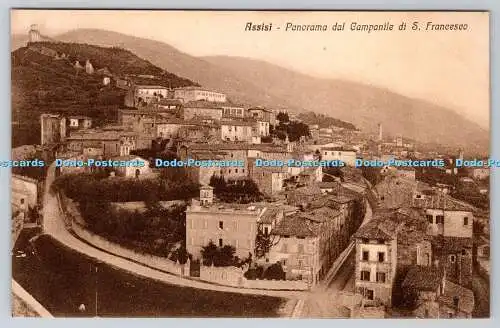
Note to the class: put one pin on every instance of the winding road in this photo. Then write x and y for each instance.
(321, 302)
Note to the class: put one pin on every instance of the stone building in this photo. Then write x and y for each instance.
(432, 295)
(53, 128)
(376, 259)
(222, 223)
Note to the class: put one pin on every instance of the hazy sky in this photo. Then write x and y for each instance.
(449, 68)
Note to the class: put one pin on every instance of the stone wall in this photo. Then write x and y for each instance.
(152, 261)
(232, 276)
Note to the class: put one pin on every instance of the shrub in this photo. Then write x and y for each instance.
(180, 254)
(275, 272)
(219, 256)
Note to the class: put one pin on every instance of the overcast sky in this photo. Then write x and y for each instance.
(449, 68)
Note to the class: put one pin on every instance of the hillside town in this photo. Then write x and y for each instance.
(311, 225)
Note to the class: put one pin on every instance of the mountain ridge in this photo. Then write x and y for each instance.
(253, 81)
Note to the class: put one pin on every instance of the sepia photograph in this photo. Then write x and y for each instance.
(250, 164)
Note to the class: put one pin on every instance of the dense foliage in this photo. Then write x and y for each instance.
(89, 187)
(273, 272)
(242, 191)
(371, 174)
(219, 256)
(324, 121)
(293, 129)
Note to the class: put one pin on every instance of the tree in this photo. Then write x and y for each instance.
(295, 130)
(226, 256)
(209, 253)
(218, 256)
(254, 273)
(263, 244)
(180, 254)
(275, 272)
(371, 174)
(283, 117)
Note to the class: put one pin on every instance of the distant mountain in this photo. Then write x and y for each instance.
(256, 82)
(44, 83)
(196, 69)
(363, 105)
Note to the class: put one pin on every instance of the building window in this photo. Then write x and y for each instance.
(365, 275)
(381, 256)
(452, 258)
(366, 255)
(300, 249)
(439, 219)
(369, 294)
(430, 218)
(466, 221)
(220, 242)
(266, 231)
(464, 252)
(380, 276)
(221, 224)
(300, 264)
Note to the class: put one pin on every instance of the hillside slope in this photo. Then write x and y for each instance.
(43, 84)
(364, 105)
(196, 69)
(256, 82)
